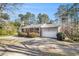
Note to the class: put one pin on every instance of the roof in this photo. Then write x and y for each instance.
(40, 26)
(49, 25)
(32, 26)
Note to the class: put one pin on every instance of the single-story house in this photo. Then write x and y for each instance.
(44, 30)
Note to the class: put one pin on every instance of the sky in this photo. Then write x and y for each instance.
(48, 8)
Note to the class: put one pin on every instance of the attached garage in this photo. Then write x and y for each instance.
(49, 32)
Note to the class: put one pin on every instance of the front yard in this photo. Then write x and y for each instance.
(15, 46)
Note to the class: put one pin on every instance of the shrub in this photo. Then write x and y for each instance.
(7, 32)
(11, 32)
(72, 33)
(60, 36)
(33, 34)
(22, 34)
(3, 32)
(19, 33)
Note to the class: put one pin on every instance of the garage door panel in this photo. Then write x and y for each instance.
(49, 33)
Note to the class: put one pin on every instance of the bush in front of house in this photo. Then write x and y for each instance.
(60, 36)
(33, 34)
(19, 33)
(30, 34)
(22, 34)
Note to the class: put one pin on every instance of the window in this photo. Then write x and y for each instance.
(22, 30)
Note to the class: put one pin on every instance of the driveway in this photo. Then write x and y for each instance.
(40, 47)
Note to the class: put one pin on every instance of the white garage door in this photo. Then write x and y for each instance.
(49, 32)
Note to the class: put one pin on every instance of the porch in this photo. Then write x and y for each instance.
(31, 31)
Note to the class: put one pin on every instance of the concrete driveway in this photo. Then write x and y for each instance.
(41, 47)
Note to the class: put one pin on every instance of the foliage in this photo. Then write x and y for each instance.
(21, 16)
(19, 33)
(6, 32)
(60, 36)
(3, 32)
(22, 34)
(68, 15)
(4, 16)
(43, 18)
(28, 18)
(8, 7)
(7, 29)
(15, 24)
(33, 34)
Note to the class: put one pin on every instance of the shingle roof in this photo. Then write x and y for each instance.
(49, 25)
(32, 26)
(40, 25)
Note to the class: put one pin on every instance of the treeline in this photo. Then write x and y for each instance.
(30, 18)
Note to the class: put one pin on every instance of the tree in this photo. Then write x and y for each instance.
(5, 25)
(40, 18)
(66, 13)
(8, 6)
(32, 19)
(2, 8)
(5, 16)
(28, 18)
(43, 18)
(16, 24)
(51, 21)
(21, 16)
